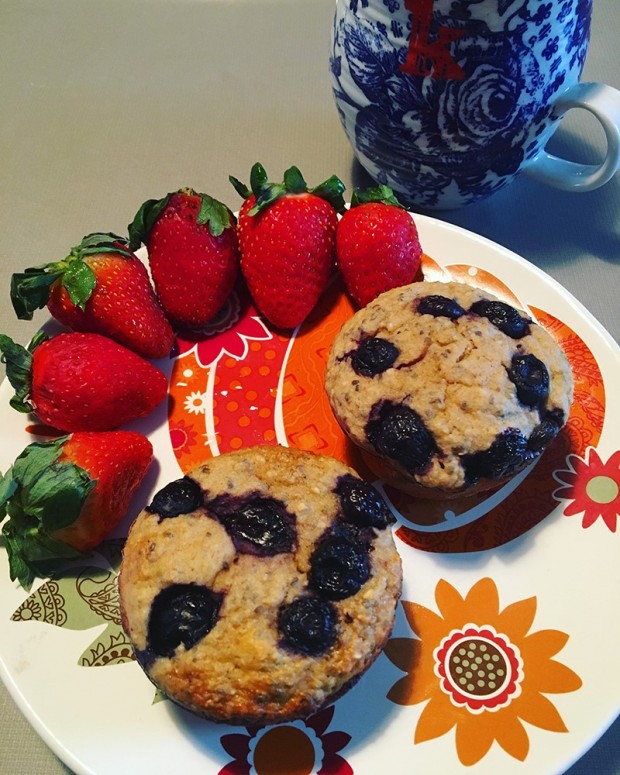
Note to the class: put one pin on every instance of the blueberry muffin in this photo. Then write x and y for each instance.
(260, 586)
(449, 390)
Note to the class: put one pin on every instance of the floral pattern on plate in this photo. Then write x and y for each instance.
(593, 488)
(220, 382)
(271, 391)
(84, 597)
(480, 669)
(299, 747)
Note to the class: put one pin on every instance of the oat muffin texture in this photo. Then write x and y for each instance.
(257, 662)
(448, 390)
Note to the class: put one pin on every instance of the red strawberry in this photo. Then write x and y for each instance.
(100, 287)
(193, 254)
(377, 245)
(64, 496)
(81, 382)
(287, 240)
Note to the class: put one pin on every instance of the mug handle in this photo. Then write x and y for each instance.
(603, 102)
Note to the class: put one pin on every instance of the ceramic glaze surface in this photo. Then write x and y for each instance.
(447, 100)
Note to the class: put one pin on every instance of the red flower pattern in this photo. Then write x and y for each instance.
(228, 334)
(297, 748)
(592, 487)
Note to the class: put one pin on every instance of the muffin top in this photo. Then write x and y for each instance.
(259, 586)
(448, 384)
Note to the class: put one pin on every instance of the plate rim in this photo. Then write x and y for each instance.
(38, 723)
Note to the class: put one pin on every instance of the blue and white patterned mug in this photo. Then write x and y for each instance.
(446, 101)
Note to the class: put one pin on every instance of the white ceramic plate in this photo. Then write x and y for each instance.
(523, 591)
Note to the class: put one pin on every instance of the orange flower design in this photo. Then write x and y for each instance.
(481, 670)
(592, 486)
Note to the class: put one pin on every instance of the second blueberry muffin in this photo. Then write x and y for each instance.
(260, 586)
(450, 390)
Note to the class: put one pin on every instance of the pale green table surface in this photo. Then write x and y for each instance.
(106, 103)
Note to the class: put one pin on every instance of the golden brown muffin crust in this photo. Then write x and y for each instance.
(240, 672)
(452, 372)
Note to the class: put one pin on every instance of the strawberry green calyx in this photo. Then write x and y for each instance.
(30, 289)
(381, 194)
(267, 192)
(40, 494)
(212, 212)
(18, 361)
(144, 220)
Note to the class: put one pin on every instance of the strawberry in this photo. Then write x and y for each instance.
(193, 254)
(377, 245)
(81, 382)
(100, 287)
(64, 496)
(287, 240)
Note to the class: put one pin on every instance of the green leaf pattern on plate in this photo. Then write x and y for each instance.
(81, 597)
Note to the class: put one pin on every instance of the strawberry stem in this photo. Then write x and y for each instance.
(243, 191)
(213, 213)
(381, 194)
(144, 220)
(267, 197)
(293, 182)
(39, 494)
(30, 289)
(79, 281)
(331, 190)
(258, 179)
(18, 362)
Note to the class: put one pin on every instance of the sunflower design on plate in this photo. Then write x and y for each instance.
(480, 669)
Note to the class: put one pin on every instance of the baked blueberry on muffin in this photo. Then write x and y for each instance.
(260, 586)
(449, 390)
